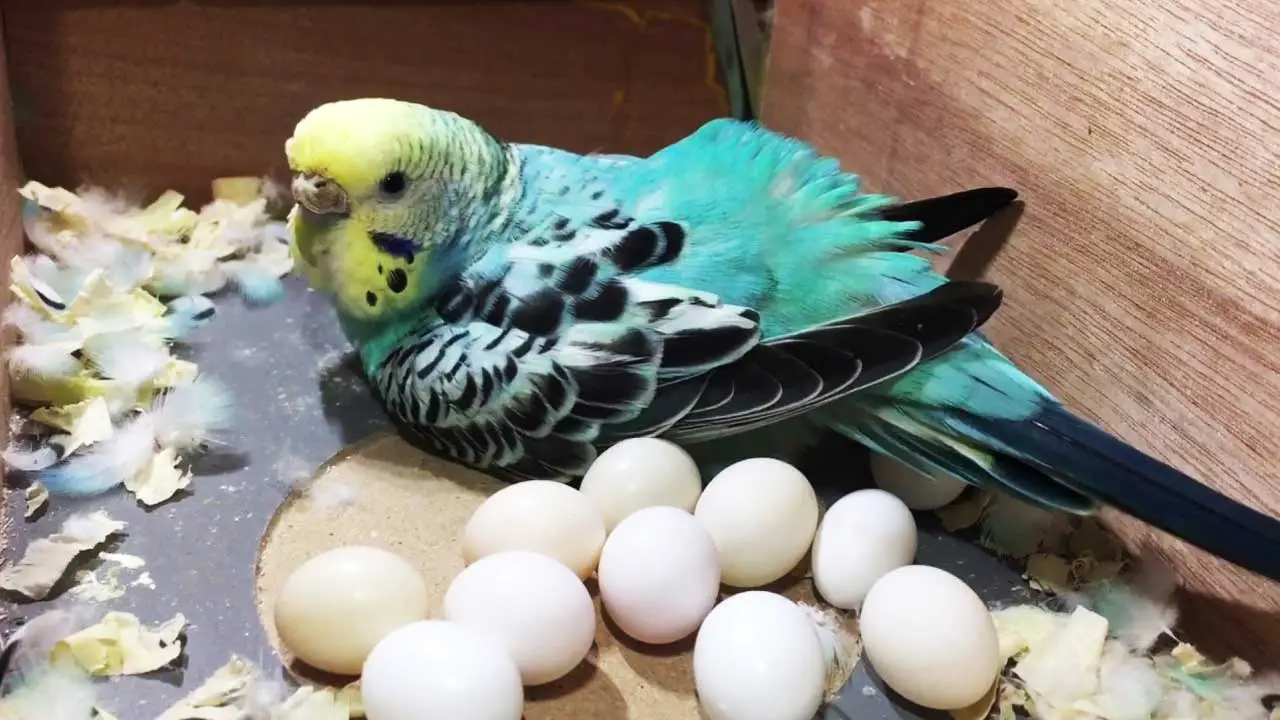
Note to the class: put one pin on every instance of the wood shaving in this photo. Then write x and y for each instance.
(311, 703)
(238, 691)
(86, 422)
(213, 699)
(160, 480)
(37, 496)
(1072, 667)
(1063, 669)
(47, 559)
(121, 645)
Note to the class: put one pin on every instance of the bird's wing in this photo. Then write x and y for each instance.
(551, 347)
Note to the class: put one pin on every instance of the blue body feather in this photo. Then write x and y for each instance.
(774, 226)
(257, 284)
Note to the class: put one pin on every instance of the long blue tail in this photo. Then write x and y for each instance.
(1093, 463)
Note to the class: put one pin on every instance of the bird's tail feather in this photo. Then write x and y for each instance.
(930, 451)
(943, 216)
(1092, 462)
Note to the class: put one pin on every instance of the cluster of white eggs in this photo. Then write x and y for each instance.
(660, 547)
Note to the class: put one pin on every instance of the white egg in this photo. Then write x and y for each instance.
(437, 670)
(639, 473)
(659, 575)
(540, 516)
(534, 605)
(335, 607)
(918, 490)
(759, 657)
(864, 535)
(930, 637)
(762, 514)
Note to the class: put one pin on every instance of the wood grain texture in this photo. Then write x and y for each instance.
(11, 241)
(1143, 282)
(157, 95)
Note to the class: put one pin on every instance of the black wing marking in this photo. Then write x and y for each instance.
(551, 350)
(544, 288)
(525, 365)
(847, 356)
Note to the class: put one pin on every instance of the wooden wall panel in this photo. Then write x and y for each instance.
(1143, 281)
(11, 240)
(152, 95)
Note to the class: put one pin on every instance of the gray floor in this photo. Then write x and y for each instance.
(300, 400)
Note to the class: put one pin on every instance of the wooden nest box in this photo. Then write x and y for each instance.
(1142, 281)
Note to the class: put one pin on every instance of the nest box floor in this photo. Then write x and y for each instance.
(304, 406)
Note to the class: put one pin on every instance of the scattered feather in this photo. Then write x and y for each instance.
(32, 459)
(262, 697)
(255, 282)
(106, 464)
(1129, 688)
(120, 644)
(53, 360)
(55, 692)
(187, 314)
(128, 267)
(104, 583)
(1141, 610)
(294, 475)
(29, 646)
(129, 357)
(1071, 667)
(47, 559)
(191, 273)
(34, 327)
(98, 586)
(299, 478)
(56, 285)
(190, 415)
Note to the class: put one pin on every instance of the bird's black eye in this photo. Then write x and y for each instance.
(393, 184)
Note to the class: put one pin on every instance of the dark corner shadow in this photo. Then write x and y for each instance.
(1222, 628)
(980, 249)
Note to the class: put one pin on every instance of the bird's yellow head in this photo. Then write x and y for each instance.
(374, 181)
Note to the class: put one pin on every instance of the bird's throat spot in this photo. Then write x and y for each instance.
(397, 280)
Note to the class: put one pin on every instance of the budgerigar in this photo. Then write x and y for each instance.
(517, 308)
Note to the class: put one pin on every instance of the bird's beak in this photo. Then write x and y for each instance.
(320, 195)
